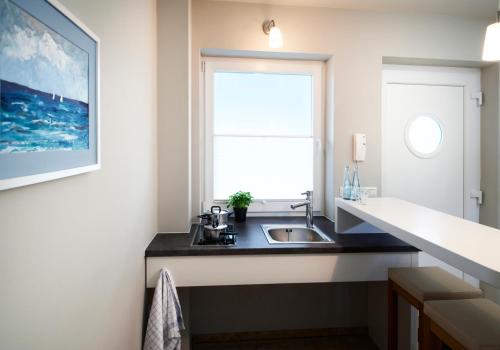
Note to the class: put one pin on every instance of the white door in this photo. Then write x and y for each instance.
(431, 139)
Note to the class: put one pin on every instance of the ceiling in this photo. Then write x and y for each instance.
(468, 8)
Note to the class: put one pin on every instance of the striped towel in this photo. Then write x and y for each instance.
(165, 317)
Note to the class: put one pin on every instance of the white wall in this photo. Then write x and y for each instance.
(71, 250)
(490, 152)
(357, 41)
(174, 117)
(489, 145)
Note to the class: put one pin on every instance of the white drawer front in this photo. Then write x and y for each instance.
(271, 269)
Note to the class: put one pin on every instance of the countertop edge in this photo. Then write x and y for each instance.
(179, 244)
(280, 251)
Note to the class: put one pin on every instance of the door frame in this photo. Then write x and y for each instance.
(470, 80)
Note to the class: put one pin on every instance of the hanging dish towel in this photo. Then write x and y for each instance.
(165, 317)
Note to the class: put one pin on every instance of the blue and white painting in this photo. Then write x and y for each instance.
(44, 86)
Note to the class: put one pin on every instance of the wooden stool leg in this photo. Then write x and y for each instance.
(392, 328)
(428, 340)
(436, 343)
(425, 335)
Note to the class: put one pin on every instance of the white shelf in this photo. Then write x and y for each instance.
(466, 245)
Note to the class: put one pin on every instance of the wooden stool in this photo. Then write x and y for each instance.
(417, 285)
(472, 324)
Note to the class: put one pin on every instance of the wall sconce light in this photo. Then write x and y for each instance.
(275, 37)
(491, 48)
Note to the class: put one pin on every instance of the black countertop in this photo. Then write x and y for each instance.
(252, 241)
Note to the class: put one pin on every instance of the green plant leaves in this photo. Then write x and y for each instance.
(239, 199)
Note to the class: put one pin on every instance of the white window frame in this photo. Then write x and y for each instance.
(315, 69)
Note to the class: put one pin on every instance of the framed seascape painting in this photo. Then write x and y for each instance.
(49, 92)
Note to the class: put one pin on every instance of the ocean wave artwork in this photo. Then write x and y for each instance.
(43, 86)
(33, 120)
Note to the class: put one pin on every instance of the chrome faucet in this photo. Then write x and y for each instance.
(309, 207)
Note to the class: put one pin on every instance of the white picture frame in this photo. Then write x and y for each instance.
(18, 181)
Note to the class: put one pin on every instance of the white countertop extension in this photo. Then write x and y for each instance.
(469, 246)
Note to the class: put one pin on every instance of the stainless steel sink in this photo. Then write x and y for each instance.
(284, 234)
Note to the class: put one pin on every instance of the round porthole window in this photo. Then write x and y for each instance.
(424, 136)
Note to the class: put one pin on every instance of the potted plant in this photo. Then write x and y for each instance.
(240, 202)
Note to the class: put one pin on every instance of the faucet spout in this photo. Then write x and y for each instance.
(300, 204)
(308, 203)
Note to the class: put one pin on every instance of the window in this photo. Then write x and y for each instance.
(263, 131)
(424, 136)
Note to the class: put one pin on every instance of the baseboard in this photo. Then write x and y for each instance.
(278, 334)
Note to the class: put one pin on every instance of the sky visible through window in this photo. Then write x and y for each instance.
(263, 134)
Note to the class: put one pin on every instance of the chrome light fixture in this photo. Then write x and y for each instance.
(491, 48)
(275, 37)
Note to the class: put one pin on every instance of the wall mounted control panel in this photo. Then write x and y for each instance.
(359, 147)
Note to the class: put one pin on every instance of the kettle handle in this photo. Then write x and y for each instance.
(213, 207)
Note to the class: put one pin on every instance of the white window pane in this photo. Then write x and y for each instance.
(262, 104)
(269, 168)
(424, 136)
